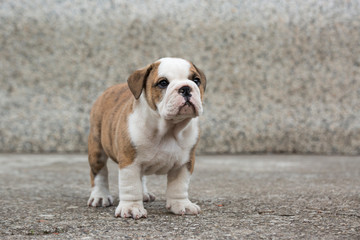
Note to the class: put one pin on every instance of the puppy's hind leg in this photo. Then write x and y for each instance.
(100, 194)
(147, 196)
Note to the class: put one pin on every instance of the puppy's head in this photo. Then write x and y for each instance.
(173, 87)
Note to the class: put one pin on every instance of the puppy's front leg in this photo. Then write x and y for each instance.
(177, 200)
(131, 193)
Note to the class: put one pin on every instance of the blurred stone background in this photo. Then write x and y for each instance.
(283, 76)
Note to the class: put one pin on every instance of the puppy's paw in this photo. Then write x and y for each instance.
(134, 209)
(148, 197)
(100, 198)
(182, 206)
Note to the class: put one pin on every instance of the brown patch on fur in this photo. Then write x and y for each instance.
(137, 80)
(191, 163)
(196, 72)
(109, 136)
(146, 79)
(153, 93)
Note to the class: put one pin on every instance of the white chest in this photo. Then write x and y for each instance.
(162, 157)
(159, 150)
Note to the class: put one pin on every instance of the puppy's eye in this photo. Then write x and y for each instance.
(197, 81)
(163, 83)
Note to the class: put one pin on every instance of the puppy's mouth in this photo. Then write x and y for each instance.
(187, 109)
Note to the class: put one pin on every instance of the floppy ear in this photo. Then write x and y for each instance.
(137, 80)
(202, 75)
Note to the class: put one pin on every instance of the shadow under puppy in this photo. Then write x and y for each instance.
(147, 126)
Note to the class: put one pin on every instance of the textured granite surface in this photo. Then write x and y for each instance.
(284, 76)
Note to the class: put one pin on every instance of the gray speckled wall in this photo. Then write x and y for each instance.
(284, 76)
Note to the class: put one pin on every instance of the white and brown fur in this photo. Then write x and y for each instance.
(147, 130)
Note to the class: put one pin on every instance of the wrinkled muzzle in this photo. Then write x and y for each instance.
(182, 100)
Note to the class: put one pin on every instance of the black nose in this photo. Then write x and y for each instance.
(185, 91)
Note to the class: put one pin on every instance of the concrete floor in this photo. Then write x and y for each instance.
(247, 197)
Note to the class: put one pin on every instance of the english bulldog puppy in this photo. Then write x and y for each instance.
(147, 126)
